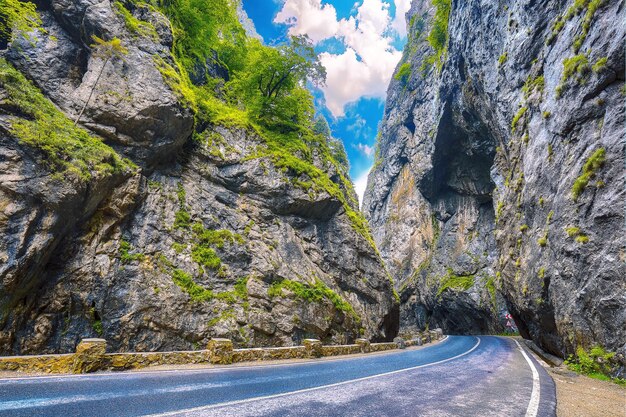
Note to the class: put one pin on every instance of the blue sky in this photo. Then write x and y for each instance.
(359, 43)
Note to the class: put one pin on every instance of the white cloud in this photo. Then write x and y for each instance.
(366, 66)
(399, 21)
(309, 17)
(365, 149)
(360, 184)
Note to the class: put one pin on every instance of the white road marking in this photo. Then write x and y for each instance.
(284, 394)
(140, 372)
(533, 404)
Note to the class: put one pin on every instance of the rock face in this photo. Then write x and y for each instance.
(193, 239)
(499, 179)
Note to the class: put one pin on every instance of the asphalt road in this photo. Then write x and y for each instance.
(460, 376)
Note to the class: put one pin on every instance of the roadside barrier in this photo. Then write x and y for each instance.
(91, 356)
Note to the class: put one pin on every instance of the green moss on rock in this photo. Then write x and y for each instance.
(592, 165)
(451, 281)
(313, 293)
(518, 116)
(135, 26)
(404, 72)
(70, 152)
(125, 256)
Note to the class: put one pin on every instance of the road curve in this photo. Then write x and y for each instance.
(461, 376)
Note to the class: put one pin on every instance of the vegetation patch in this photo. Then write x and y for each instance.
(187, 284)
(313, 293)
(536, 84)
(592, 165)
(541, 273)
(455, 282)
(182, 219)
(125, 256)
(70, 152)
(599, 65)
(596, 363)
(265, 95)
(206, 240)
(516, 119)
(438, 35)
(135, 26)
(198, 293)
(543, 240)
(582, 239)
(17, 18)
(491, 289)
(576, 66)
(503, 58)
(592, 6)
(404, 72)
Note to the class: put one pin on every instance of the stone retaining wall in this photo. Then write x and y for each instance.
(91, 355)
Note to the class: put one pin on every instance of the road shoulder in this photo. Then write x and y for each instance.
(581, 396)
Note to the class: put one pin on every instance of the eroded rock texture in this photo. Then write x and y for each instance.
(502, 163)
(202, 239)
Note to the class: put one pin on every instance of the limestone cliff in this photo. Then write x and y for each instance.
(499, 178)
(155, 230)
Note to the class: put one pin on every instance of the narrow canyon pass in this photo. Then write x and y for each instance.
(499, 175)
(165, 180)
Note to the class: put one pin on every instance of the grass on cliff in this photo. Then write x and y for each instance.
(438, 35)
(200, 294)
(592, 165)
(404, 72)
(18, 18)
(69, 151)
(313, 293)
(126, 256)
(206, 240)
(576, 67)
(135, 26)
(590, 7)
(455, 282)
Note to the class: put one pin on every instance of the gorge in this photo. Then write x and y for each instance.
(176, 209)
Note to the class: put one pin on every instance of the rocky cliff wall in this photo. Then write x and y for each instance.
(132, 230)
(499, 178)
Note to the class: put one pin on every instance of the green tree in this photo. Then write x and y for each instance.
(202, 27)
(320, 127)
(107, 50)
(272, 83)
(288, 65)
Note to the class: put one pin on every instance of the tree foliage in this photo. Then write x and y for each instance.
(321, 127)
(202, 27)
(272, 82)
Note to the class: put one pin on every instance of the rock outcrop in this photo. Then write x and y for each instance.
(499, 179)
(150, 230)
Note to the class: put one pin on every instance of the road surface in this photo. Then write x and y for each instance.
(460, 376)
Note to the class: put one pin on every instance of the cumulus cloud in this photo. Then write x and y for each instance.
(365, 149)
(399, 21)
(365, 68)
(309, 17)
(360, 184)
